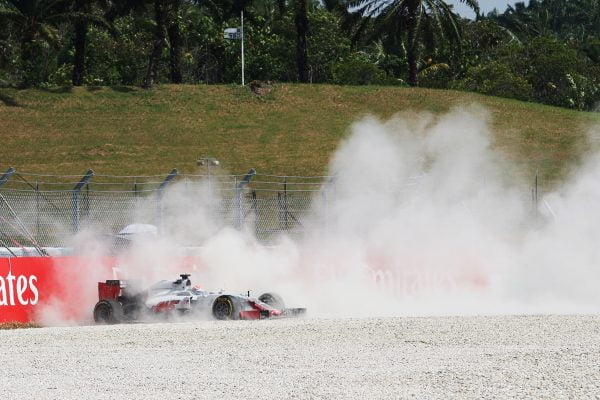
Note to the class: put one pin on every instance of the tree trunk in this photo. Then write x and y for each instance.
(158, 43)
(412, 53)
(80, 40)
(30, 60)
(175, 40)
(413, 71)
(281, 7)
(79, 62)
(301, 20)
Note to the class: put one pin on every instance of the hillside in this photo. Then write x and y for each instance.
(291, 131)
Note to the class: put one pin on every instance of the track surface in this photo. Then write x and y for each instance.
(459, 357)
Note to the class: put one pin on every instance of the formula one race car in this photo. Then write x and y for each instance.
(120, 301)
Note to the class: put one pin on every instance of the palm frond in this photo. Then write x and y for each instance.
(451, 20)
(78, 17)
(9, 14)
(510, 34)
(49, 34)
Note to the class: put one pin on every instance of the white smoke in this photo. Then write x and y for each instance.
(421, 218)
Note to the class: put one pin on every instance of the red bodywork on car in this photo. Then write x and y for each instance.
(259, 312)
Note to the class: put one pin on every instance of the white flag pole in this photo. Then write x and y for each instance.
(243, 83)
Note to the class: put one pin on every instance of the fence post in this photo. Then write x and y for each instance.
(329, 185)
(76, 204)
(239, 188)
(256, 216)
(160, 190)
(280, 212)
(285, 203)
(535, 196)
(37, 208)
(86, 201)
(6, 176)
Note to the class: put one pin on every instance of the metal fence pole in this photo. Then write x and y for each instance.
(535, 196)
(6, 176)
(329, 185)
(37, 208)
(256, 216)
(239, 188)
(285, 203)
(76, 203)
(160, 190)
(280, 212)
(86, 201)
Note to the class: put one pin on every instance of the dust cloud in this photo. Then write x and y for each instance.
(421, 218)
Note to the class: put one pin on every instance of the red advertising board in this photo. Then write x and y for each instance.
(29, 286)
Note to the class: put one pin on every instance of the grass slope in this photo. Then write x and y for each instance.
(292, 130)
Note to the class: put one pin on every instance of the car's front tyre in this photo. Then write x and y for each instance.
(224, 308)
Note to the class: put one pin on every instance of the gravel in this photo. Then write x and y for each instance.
(379, 358)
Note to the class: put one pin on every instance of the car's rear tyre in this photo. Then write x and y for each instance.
(272, 299)
(224, 307)
(108, 312)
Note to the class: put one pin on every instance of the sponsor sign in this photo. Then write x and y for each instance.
(18, 289)
(29, 284)
(20, 284)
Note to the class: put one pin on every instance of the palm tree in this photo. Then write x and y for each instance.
(535, 19)
(83, 15)
(175, 41)
(37, 22)
(81, 28)
(565, 19)
(300, 12)
(161, 20)
(301, 20)
(166, 18)
(414, 22)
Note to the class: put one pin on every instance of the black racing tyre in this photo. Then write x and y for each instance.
(224, 307)
(108, 312)
(272, 299)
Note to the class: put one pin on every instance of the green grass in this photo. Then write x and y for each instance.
(18, 325)
(293, 130)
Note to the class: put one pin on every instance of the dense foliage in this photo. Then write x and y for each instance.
(547, 51)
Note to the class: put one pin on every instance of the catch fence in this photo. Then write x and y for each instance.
(46, 210)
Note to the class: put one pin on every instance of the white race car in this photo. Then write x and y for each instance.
(120, 301)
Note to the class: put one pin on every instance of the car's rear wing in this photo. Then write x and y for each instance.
(112, 289)
(109, 290)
